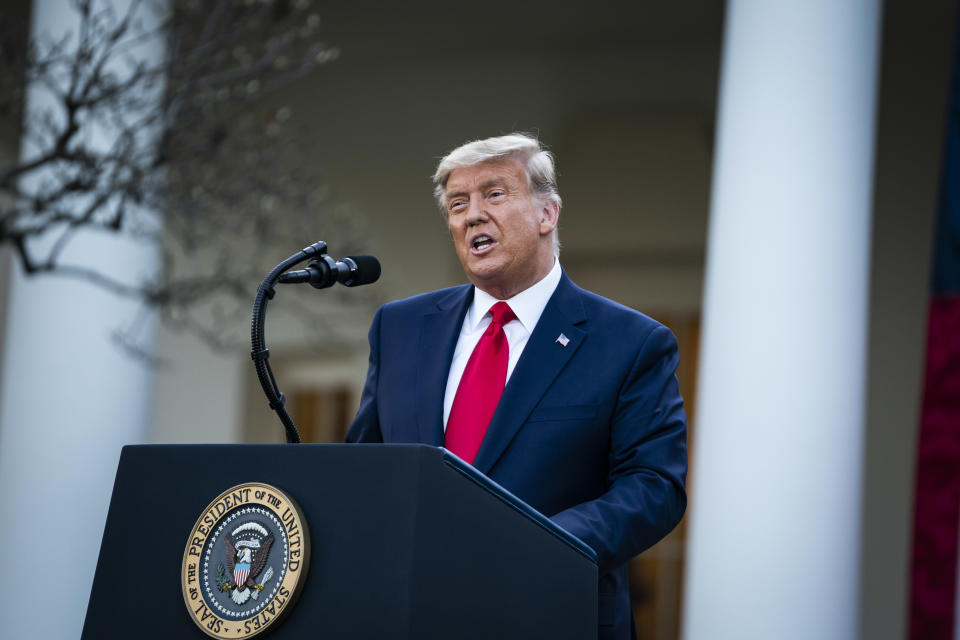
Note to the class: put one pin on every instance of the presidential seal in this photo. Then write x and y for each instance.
(245, 562)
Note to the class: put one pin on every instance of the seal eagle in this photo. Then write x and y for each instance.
(247, 550)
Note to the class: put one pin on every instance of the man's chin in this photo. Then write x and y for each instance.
(484, 267)
(485, 277)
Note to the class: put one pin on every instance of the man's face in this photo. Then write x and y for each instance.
(501, 233)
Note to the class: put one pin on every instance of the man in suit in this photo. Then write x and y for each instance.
(567, 399)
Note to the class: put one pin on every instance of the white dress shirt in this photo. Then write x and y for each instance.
(528, 306)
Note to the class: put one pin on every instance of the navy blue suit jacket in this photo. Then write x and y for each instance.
(592, 434)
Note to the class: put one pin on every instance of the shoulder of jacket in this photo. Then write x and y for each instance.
(426, 301)
(605, 309)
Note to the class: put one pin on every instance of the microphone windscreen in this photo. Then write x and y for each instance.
(368, 270)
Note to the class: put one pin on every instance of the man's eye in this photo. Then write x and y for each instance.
(497, 193)
(457, 205)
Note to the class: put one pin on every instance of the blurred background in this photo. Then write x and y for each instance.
(158, 158)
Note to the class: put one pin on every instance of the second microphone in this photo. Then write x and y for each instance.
(324, 272)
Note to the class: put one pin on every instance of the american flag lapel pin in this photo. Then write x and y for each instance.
(563, 340)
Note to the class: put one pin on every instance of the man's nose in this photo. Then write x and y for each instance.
(476, 212)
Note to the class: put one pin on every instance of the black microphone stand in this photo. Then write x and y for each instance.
(260, 353)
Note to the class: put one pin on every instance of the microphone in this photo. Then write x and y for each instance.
(324, 271)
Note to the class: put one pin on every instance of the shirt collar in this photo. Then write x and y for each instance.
(528, 305)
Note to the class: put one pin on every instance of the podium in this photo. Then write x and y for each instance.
(406, 541)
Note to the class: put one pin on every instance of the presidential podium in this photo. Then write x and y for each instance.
(406, 541)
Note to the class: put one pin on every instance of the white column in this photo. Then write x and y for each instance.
(775, 504)
(69, 400)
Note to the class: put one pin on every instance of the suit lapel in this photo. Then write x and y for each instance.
(439, 331)
(542, 360)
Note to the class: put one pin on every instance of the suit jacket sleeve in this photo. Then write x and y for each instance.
(366, 425)
(645, 496)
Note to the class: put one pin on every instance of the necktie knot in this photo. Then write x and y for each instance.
(502, 314)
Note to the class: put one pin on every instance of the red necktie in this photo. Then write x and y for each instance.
(480, 387)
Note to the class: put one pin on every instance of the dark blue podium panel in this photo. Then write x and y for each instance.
(406, 542)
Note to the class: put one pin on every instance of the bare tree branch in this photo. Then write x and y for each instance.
(201, 157)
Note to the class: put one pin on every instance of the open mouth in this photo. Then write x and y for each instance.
(481, 244)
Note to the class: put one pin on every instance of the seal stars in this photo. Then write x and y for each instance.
(245, 561)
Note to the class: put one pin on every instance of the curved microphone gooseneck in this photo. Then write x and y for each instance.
(323, 271)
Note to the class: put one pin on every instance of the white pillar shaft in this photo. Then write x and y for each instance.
(70, 399)
(775, 505)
